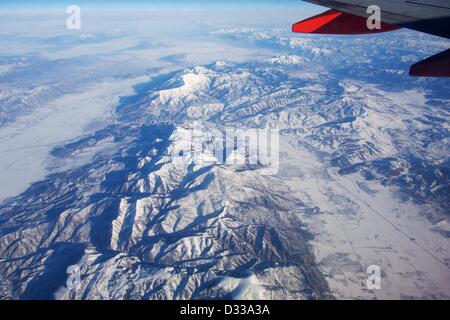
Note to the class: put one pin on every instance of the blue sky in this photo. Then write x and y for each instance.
(247, 10)
(164, 3)
(267, 13)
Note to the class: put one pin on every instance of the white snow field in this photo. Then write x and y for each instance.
(25, 145)
(358, 227)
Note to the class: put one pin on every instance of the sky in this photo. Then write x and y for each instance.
(161, 3)
(22, 16)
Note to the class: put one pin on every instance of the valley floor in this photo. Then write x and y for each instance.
(361, 223)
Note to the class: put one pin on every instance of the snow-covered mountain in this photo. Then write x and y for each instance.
(363, 180)
(142, 223)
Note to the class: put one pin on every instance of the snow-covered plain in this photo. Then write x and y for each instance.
(26, 144)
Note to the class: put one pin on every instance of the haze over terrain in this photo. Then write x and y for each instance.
(92, 122)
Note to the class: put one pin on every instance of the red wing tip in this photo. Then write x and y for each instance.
(337, 22)
(435, 66)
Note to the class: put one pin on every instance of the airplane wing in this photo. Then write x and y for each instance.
(350, 17)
